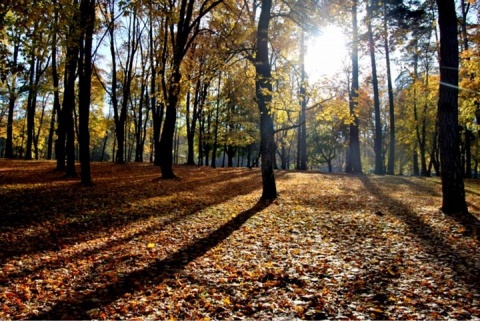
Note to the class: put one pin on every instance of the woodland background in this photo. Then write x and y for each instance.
(217, 114)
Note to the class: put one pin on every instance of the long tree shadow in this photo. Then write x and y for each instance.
(78, 225)
(422, 188)
(464, 267)
(76, 307)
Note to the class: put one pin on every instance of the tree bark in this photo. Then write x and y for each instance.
(12, 97)
(87, 18)
(354, 164)
(183, 33)
(453, 190)
(31, 109)
(391, 104)
(378, 140)
(56, 92)
(66, 132)
(263, 87)
(302, 129)
(166, 140)
(217, 121)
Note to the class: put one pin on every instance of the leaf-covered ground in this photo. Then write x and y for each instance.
(134, 246)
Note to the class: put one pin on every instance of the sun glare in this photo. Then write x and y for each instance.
(326, 54)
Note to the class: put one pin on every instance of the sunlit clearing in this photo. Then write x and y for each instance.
(327, 53)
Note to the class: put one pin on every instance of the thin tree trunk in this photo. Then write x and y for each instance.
(391, 104)
(104, 147)
(354, 164)
(36, 137)
(302, 129)
(30, 110)
(215, 135)
(56, 92)
(378, 140)
(191, 126)
(12, 97)
(159, 108)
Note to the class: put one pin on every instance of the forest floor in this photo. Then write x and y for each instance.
(133, 246)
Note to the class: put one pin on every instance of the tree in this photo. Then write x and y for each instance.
(55, 82)
(378, 140)
(354, 164)
(465, 7)
(202, 67)
(263, 90)
(38, 62)
(302, 130)
(183, 31)
(328, 135)
(453, 191)
(391, 104)
(121, 83)
(66, 126)
(87, 21)
(12, 97)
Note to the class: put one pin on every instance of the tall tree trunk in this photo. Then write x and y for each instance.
(11, 109)
(468, 133)
(378, 141)
(56, 92)
(207, 136)
(263, 87)
(66, 136)
(167, 137)
(465, 6)
(38, 74)
(139, 127)
(51, 131)
(87, 18)
(354, 164)
(302, 129)
(30, 109)
(183, 33)
(217, 121)
(201, 139)
(423, 139)
(391, 104)
(12, 97)
(159, 108)
(180, 39)
(191, 125)
(119, 120)
(36, 137)
(453, 190)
